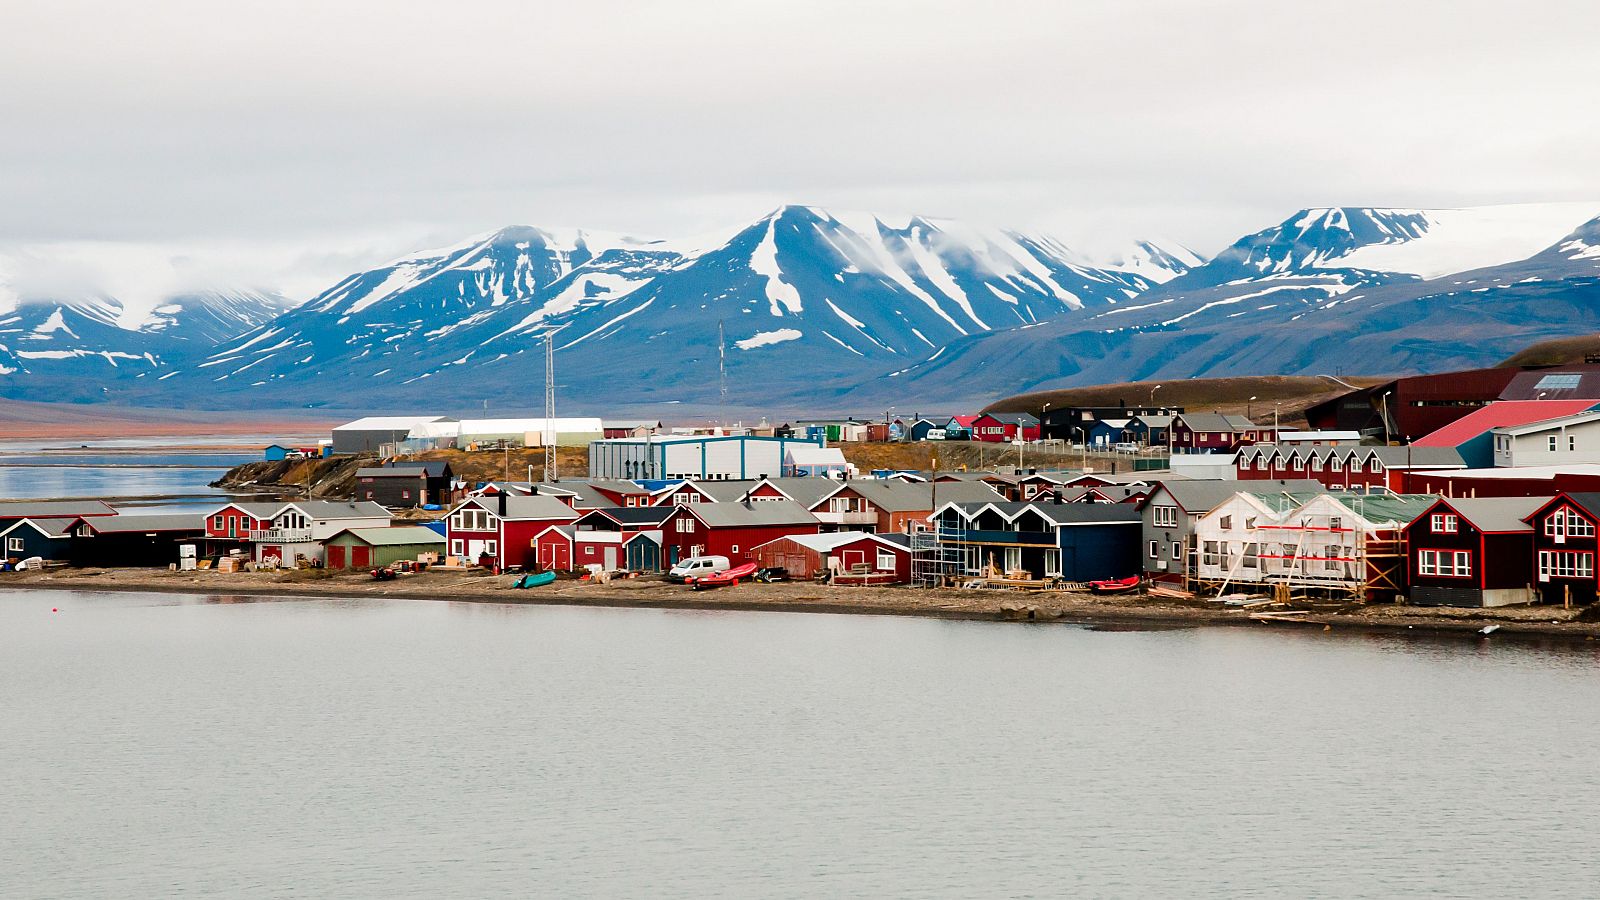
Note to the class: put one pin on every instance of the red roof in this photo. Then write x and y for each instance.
(1502, 414)
(965, 421)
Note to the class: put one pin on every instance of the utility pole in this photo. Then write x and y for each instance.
(550, 405)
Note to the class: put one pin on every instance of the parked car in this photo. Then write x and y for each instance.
(696, 566)
(1127, 447)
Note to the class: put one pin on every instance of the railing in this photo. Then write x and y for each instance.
(848, 518)
(281, 535)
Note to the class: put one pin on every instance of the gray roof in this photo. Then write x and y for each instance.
(1202, 495)
(1211, 421)
(1116, 492)
(805, 490)
(1153, 421)
(964, 492)
(1392, 457)
(896, 496)
(399, 535)
(1059, 513)
(52, 527)
(130, 523)
(1498, 513)
(529, 507)
(316, 509)
(1014, 418)
(759, 512)
(634, 515)
(53, 509)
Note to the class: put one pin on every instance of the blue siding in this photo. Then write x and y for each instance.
(1100, 552)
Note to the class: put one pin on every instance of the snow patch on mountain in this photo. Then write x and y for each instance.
(1459, 240)
(768, 338)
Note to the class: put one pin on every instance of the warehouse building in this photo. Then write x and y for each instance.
(674, 457)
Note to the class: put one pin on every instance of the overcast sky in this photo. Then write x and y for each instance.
(295, 140)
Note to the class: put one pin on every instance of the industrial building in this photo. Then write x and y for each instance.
(683, 457)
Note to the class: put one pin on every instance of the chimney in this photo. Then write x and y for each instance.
(502, 496)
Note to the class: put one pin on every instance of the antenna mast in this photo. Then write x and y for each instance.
(549, 406)
(722, 376)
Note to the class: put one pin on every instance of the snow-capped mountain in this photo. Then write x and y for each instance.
(74, 346)
(802, 293)
(1328, 290)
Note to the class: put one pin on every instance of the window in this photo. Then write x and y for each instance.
(1558, 382)
(14, 545)
(734, 549)
(472, 519)
(1166, 516)
(1177, 550)
(1335, 523)
(1572, 442)
(1316, 464)
(1375, 464)
(682, 499)
(405, 495)
(369, 495)
(1445, 563)
(1566, 522)
(1252, 556)
(1211, 554)
(216, 522)
(1155, 549)
(491, 547)
(886, 560)
(1551, 441)
(458, 547)
(1250, 523)
(1335, 464)
(1442, 523)
(1565, 564)
(1227, 523)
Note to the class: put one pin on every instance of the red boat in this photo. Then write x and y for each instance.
(1115, 585)
(725, 577)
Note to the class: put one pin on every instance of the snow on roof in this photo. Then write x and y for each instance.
(1500, 414)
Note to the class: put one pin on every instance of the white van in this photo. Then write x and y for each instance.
(696, 566)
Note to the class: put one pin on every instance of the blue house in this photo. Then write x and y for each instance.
(44, 538)
(1106, 432)
(276, 452)
(1068, 541)
(920, 429)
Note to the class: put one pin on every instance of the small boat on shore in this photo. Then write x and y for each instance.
(1115, 585)
(725, 577)
(535, 579)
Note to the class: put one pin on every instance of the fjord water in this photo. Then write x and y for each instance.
(159, 746)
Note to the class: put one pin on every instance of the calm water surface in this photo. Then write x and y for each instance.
(155, 480)
(179, 747)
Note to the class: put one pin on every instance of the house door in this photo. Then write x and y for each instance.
(360, 557)
(335, 556)
(1013, 559)
(852, 558)
(610, 557)
(672, 555)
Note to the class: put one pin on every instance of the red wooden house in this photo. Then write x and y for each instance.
(1216, 433)
(1471, 552)
(731, 529)
(500, 530)
(1564, 547)
(607, 537)
(1003, 428)
(1344, 468)
(809, 556)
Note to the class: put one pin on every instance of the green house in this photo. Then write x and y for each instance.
(365, 548)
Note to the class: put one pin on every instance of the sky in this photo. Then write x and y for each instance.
(286, 144)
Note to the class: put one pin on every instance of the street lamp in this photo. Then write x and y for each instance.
(1247, 408)
(1084, 444)
(1153, 395)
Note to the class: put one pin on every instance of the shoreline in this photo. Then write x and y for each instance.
(804, 597)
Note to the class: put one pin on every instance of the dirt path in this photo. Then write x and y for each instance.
(478, 586)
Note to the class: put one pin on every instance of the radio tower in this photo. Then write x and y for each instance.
(549, 406)
(722, 377)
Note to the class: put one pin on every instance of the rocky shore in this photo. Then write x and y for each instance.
(653, 592)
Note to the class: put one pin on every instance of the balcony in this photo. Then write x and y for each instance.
(848, 518)
(281, 535)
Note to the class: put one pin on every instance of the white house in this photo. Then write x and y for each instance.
(1561, 441)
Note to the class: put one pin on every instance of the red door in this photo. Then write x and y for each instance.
(335, 556)
(361, 557)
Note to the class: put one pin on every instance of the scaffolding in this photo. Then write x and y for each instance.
(938, 556)
(1309, 553)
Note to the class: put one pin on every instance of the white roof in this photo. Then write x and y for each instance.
(1537, 473)
(823, 543)
(520, 426)
(808, 455)
(388, 423)
(435, 429)
(1549, 424)
(1289, 437)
